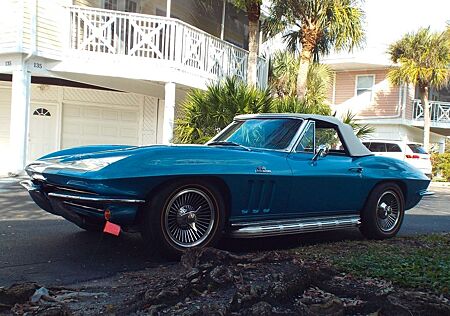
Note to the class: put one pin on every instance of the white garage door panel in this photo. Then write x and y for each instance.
(91, 125)
(5, 113)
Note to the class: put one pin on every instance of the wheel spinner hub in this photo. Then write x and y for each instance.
(388, 211)
(384, 210)
(186, 215)
(189, 217)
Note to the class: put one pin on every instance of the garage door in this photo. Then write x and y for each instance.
(91, 125)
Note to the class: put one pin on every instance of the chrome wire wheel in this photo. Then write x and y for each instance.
(388, 211)
(189, 217)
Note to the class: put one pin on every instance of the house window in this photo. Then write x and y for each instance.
(110, 5)
(41, 112)
(364, 86)
(131, 6)
(121, 5)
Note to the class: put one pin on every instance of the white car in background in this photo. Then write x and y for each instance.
(412, 153)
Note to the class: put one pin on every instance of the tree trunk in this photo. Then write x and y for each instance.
(305, 60)
(253, 46)
(253, 8)
(426, 117)
(308, 41)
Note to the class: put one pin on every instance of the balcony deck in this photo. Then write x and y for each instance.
(114, 48)
(154, 40)
(439, 112)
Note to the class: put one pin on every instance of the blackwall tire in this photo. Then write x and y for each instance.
(184, 214)
(383, 213)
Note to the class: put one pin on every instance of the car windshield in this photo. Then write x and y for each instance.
(417, 149)
(261, 133)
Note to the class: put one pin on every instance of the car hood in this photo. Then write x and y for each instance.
(96, 151)
(119, 158)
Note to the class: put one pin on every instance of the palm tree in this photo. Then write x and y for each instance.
(205, 113)
(321, 25)
(283, 78)
(253, 9)
(422, 59)
(283, 72)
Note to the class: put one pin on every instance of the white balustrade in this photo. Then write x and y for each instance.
(439, 111)
(98, 31)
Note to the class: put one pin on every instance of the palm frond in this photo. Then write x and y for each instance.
(421, 58)
(362, 131)
(205, 113)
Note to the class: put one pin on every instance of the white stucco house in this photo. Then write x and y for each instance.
(80, 72)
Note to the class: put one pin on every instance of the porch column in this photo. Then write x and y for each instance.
(20, 109)
(168, 7)
(222, 24)
(442, 146)
(169, 112)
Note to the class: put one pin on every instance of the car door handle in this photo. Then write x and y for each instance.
(356, 169)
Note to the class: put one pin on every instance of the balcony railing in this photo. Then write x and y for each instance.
(161, 39)
(440, 111)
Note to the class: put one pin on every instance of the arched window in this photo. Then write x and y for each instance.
(42, 112)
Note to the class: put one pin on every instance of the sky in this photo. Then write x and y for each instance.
(388, 20)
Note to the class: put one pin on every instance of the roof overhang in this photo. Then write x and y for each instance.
(371, 58)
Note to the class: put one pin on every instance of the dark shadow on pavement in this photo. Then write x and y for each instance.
(56, 252)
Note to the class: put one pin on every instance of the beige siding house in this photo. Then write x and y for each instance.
(80, 72)
(360, 86)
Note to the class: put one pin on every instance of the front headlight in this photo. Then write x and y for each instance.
(92, 164)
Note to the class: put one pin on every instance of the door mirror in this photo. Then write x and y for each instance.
(321, 151)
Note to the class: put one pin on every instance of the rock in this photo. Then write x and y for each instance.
(194, 273)
(196, 257)
(42, 291)
(17, 293)
(53, 310)
(332, 307)
(214, 309)
(165, 295)
(261, 309)
(196, 280)
(221, 275)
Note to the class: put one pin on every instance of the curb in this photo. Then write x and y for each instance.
(440, 184)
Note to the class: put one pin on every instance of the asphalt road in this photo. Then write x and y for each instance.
(37, 246)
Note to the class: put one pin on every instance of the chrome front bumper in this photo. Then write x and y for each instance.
(30, 186)
(78, 206)
(426, 193)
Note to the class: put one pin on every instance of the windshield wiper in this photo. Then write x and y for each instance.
(225, 143)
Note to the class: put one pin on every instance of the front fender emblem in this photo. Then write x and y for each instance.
(262, 169)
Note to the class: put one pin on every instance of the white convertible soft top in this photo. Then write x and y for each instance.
(353, 144)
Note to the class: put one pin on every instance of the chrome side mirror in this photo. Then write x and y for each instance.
(321, 151)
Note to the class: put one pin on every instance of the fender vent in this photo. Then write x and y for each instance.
(260, 196)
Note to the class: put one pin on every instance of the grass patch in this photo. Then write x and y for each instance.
(421, 262)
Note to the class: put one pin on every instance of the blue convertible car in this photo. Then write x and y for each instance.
(263, 175)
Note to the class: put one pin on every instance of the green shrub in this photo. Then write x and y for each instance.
(205, 113)
(441, 165)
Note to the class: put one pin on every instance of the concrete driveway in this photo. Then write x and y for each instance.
(37, 246)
